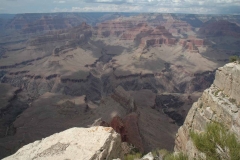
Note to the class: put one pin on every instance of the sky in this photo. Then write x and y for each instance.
(162, 6)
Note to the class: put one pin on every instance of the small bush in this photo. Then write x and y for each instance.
(163, 152)
(217, 143)
(179, 156)
(155, 153)
(159, 153)
(233, 58)
(133, 156)
(216, 93)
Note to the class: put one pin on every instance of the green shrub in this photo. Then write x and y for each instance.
(163, 152)
(132, 156)
(179, 156)
(155, 153)
(233, 58)
(217, 143)
(216, 93)
(159, 153)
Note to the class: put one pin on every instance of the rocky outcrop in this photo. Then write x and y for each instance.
(75, 143)
(113, 28)
(191, 44)
(129, 130)
(124, 98)
(132, 33)
(218, 103)
(157, 37)
(227, 80)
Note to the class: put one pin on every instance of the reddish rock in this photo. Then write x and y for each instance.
(133, 134)
(128, 128)
(118, 125)
(191, 44)
(182, 42)
(198, 42)
(132, 33)
(113, 28)
(147, 41)
(170, 41)
(157, 37)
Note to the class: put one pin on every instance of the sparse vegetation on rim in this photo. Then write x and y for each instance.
(234, 58)
(217, 143)
(133, 156)
(177, 156)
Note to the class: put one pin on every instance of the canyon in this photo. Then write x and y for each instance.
(136, 73)
(218, 103)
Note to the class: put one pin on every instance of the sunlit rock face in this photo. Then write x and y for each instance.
(218, 103)
(75, 143)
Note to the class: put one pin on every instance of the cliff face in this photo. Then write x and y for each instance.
(75, 143)
(218, 103)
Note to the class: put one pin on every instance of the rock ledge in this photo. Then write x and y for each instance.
(75, 143)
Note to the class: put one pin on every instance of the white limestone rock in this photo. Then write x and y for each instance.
(228, 80)
(148, 156)
(75, 143)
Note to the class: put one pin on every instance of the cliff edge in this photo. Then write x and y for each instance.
(75, 143)
(219, 103)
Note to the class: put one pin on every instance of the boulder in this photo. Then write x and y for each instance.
(148, 156)
(75, 143)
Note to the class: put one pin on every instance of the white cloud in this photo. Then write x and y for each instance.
(180, 6)
(56, 9)
(107, 8)
(59, 1)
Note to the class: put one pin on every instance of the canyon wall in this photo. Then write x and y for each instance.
(218, 103)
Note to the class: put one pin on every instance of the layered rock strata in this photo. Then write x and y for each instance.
(218, 103)
(75, 143)
(191, 44)
(113, 28)
(73, 36)
(157, 37)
